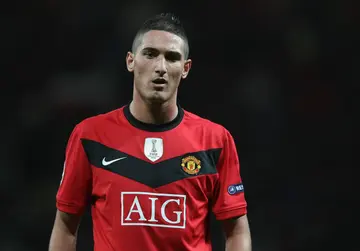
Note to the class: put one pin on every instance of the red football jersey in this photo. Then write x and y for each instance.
(151, 186)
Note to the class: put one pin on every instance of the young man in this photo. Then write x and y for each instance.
(150, 170)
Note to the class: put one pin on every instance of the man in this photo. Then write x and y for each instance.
(150, 170)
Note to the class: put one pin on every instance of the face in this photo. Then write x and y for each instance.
(158, 65)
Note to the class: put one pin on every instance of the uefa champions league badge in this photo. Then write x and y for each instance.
(235, 189)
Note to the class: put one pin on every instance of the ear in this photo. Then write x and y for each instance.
(187, 67)
(130, 61)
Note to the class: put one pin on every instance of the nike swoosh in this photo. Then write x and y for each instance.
(106, 163)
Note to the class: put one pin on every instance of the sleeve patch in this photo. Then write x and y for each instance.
(235, 189)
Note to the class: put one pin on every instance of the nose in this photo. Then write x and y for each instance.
(161, 66)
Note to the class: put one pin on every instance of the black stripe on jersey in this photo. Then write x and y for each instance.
(150, 174)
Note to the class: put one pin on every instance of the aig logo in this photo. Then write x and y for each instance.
(153, 209)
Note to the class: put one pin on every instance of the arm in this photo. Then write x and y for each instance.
(64, 233)
(73, 194)
(230, 205)
(237, 234)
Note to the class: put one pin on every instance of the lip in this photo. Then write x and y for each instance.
(159, 81)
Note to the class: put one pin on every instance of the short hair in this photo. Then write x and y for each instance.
(162, 22)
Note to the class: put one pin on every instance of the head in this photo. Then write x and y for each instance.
(159, 59)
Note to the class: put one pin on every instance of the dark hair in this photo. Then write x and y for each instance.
(163, 22)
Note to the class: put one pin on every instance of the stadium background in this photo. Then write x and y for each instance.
(280, 75)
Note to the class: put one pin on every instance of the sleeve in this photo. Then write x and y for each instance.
(228, 198)
(75, 186)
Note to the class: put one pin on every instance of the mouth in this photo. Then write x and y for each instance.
(159, 81)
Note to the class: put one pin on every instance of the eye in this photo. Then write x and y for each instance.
(149, 54)
(173, 56)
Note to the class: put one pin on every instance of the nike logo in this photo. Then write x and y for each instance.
(106, 163)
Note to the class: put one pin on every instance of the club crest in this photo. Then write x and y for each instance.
(191, 165)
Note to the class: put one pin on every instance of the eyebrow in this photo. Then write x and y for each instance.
(172, 53)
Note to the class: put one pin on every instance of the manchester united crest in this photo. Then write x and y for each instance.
(191, 165)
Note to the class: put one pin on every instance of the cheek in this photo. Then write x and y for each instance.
(176, 72)
(140, 74)
(141, 67)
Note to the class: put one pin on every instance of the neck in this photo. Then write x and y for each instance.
(151, 113)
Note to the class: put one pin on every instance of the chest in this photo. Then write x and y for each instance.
(152, 161)
(151, 174)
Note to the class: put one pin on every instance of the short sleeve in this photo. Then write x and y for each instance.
(75, 186)
(229, 198)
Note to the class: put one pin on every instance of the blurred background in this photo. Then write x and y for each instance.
(281, 75)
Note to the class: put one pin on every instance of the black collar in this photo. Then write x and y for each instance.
(153, 127)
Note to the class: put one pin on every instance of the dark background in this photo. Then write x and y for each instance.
(281, 75)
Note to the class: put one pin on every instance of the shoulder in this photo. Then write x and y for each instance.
(207, 126)
(91, 124)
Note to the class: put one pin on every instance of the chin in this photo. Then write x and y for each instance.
(158, 98)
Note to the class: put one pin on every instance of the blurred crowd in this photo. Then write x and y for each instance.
(280, 75)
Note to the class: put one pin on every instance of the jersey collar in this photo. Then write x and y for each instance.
(154, 127)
